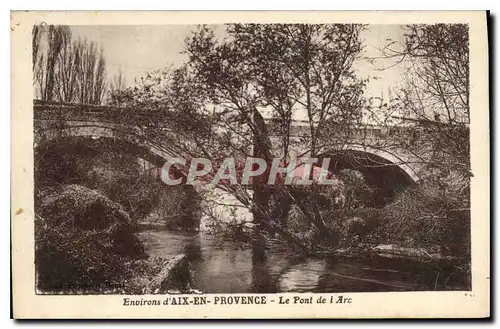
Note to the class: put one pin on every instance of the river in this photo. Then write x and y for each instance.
(231, 268)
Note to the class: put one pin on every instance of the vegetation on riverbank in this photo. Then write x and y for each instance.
(427, 221)
(83, 241)
(121, 177)
(88, 207)
(86, 243)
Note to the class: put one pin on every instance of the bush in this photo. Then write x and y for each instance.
(325, 197)
(83, 241)
(427, 216)
(98, 165)
(178, 207)
(357, 192)
(355, 226)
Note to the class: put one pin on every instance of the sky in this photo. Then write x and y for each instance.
(136, 50)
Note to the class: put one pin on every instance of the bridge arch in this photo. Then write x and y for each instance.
(127, 140)
(221, 203)
(387, 171)
(107, 159)
(377, 157)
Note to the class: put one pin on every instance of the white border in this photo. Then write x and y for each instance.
(478, 162)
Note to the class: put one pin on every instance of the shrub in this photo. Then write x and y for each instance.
(178, 207)
(96, 164)
(357, 192)
(325, 197)
(82, 241)
(355, 226)
(426, 216)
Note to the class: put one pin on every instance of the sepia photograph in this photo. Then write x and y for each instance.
(228, 163)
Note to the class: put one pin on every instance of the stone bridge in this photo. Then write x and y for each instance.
(367, 150)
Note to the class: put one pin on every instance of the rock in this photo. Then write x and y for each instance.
(176, 276)
(395, 251)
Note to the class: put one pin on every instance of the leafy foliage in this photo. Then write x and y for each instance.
(82, 241)
(99, 165)
(357, 192)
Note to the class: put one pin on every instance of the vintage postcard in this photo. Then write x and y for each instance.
(250, 165)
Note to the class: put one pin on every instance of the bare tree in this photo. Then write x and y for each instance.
(66, 78)
(118, 83)
(438, 74)
(36, 38)
(66, 70)
(435, 98)
(100, 85)
(434, 118)
(284, 68)
(44, 65)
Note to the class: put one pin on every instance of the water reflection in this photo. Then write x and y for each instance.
(361, 277)
(262, 280)
(192, 249)
(229, 268)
